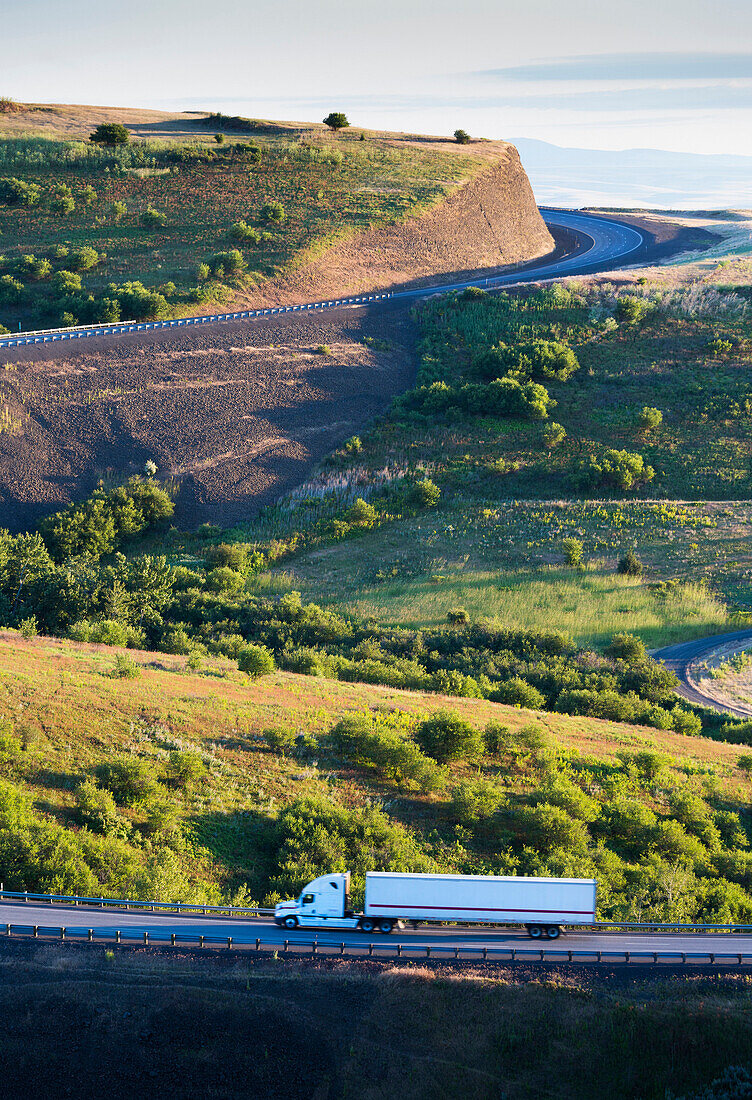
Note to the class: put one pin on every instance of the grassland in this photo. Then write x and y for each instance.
(151, 1021)
(329, 188)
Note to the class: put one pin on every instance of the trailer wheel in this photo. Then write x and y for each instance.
(534, 931)
(291, 922)
(367, 925)
(386, 926)
(553, 931)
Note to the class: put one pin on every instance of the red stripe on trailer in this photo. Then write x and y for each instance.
(482, 909)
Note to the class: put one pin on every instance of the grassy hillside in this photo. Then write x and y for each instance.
(195, 222)
(163, 779)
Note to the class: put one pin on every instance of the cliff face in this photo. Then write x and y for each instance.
(489, 223)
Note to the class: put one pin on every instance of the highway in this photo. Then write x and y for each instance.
(601, 244)
(679, 657)
(441, 940)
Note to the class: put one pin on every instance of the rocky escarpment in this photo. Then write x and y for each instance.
(491, 222)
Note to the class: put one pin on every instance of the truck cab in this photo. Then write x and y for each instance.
(325, 902)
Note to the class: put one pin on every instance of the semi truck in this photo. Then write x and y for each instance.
(541, 905)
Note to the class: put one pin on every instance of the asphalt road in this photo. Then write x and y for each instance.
(679, 657)
(246, 931)
(601, 244)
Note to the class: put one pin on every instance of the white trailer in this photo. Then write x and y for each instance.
(542, 905)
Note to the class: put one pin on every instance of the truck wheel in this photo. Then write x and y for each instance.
(291, 922)
(553, 931)
(386, 926)
(534, 931)
(367, 925)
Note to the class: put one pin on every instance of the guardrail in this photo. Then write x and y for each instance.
(78, 332)
(128, 903)
(383, 950)
(258, 911)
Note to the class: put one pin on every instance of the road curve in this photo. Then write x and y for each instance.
(679, 657)
(441, 939)
(601, 244)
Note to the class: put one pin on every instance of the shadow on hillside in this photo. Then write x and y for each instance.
(244, 842)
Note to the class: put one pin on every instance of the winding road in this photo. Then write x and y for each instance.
(601, 244)
(679, 657)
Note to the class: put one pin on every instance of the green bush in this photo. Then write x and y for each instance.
(426, 493)
(336, 120)
(83, 259)
(553, 434)
(96, 808)
(125, 668)
(517, 692)
(152, 218)
(629, 565)
(18, 192)
(573, 549)
(362, 514)
(626, 647)
(648, 419)
(458, 616)
(110, 133)
(462, 137)
(273, 212)
(183, 769)
(256, 660)
(392, 756)
(447, 737)
(475, 801)
(229, 555)
(130, 781)
(616, 470)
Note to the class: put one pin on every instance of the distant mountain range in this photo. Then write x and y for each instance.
(636, 177)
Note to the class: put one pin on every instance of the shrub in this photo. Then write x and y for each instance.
(353, 446)
(183, 769)
(517, 692)
(176, 641)
(496, 738)
(273, 212)
(241, 231)
(28, 628)
(462, 137)
(618, 470)
(34, 269)
(130, 780)
(224, 579)
(446, 737)
(648, 419)
(15, 191)
(553, 435)
(426, 493)
(536, 359)
(256, 660)
(629, 565)
(82, 259)
(362, 514)
(393, 756)
(547, 828)
(152, 218)
(88, 195)
(119, 210)
(336, 120)
(232, 555)
(626, 647)
(125, 668)
(475, 801)
(96, 808)
(573, 550)
(280, 739)
(458, 616)
(110, 133)
(66, 283)
(62, 201)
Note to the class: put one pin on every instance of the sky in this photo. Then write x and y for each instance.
(661, 74)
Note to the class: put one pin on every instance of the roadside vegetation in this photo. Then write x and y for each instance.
(414, 1029)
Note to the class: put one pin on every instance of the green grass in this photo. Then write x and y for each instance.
(591, 606)
(330, 188)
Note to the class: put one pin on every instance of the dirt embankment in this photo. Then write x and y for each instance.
(492, 222)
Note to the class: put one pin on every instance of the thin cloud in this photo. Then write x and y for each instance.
(633, 66)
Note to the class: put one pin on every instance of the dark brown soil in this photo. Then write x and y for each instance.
(235, 413)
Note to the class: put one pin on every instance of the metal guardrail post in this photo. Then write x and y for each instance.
(117, 936)
(286, 945)
(258, 944)
(172, 939)
(370, 949)
(90, 935)
(229, 942)
(146, 939)
(201, 941)
(62, 933)
(35, 931)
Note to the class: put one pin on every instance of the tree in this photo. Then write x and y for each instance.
(445, 736)
(110, 133)
(336, 120)
(553, 435)
(426, 493)
(273, 212)
(462, 137)
(629, 565)
(573, 549)
(256, 660)
(626, 647)
(648, 419)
